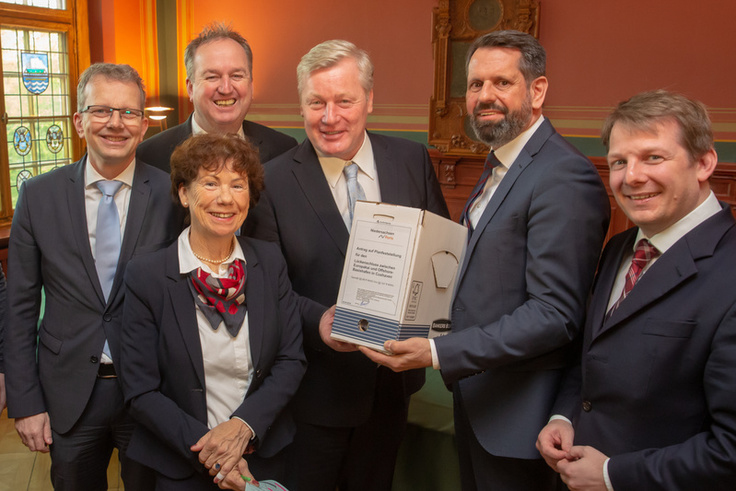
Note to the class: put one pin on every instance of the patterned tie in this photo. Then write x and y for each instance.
(355, 190)
(643, 253)
(491, 163)
(107, 243)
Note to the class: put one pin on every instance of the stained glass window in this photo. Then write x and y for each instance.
(37, 102)
(49, 4)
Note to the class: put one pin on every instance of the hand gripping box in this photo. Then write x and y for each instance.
(399, 275)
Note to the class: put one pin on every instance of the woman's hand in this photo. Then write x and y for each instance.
(221, 448)
(238, 477)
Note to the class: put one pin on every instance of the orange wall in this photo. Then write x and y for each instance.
(396, 33)
(600, 52)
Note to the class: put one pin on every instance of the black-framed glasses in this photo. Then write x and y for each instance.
(104, 113)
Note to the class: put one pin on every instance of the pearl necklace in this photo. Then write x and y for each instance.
(215, 261)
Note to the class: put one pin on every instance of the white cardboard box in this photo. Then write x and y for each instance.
(399, 276)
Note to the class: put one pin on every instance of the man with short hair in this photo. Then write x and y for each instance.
(537, 219)
(351, 415)
(652, 405)
(219, 65)
(74, 230)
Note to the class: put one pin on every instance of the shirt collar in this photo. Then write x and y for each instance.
(667, 237)
(91, 176)
(507, 154)
(198, 130)
(333, 166)
(188, 262)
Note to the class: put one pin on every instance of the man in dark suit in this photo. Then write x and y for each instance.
(219, 64)
(653, 404)
(72, 237)
(537, 220)
(346, 407)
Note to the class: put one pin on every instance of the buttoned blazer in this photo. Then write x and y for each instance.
(158, 149)
(49, 249)
(297, 210)
(658, 376)
(162, 363)
(522, 291)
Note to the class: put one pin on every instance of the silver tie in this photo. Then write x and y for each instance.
(355, 190)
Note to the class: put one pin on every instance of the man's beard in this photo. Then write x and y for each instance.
(497, 134)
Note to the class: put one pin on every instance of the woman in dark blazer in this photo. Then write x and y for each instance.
(211, 343)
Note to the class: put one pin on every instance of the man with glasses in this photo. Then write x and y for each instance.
(73, 231)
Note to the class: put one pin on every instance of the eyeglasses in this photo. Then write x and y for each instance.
(104, 113)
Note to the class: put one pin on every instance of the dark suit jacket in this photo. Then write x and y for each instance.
(297, 210)
(162, 367)
(521, 293)
(49, 248)
(3, 317)
(659, 376)
(158, 148)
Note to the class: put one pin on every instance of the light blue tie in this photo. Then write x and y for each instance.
(355, 190)
(107, 243)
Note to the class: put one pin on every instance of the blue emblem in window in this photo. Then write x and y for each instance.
(35, 72)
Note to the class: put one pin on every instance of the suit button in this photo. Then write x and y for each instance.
(107, 317)
(93, 359)
(587, 406)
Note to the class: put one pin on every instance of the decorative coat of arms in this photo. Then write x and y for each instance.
(35, 72)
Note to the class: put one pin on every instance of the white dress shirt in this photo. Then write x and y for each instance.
(332, 167)
(198, 130)
(228, 366)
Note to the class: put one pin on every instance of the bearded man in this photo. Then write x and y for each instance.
(537, 219)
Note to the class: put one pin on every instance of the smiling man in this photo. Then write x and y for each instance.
(655, 389)
(219, 65)
(537, 219)
(74, 229)
(346, 408)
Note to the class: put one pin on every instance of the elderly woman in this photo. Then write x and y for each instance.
(211, 349)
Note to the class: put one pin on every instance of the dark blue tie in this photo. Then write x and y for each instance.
(491, 163)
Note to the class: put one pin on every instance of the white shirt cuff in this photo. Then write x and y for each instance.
(606, 478)
(435, 358)
(559, 416)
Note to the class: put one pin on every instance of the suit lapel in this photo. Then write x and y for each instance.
(386, 169)
(137, 206)
(676, 265)
(311, 180)
(78, 215)
(522, 162)
(184, 310)
(254, 297)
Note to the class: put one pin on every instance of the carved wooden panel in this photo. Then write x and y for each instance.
(457, 23)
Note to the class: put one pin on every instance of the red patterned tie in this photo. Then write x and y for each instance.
(643, 253)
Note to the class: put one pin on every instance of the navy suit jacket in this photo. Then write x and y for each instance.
(49, 248)
(297, 210)
(158, 149)
(162, 368)
(659, 376)
(522, 291)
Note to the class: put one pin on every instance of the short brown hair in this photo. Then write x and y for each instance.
(647, 109)
(119, 73)
(533, 61)
(212, 152)
(215, 32)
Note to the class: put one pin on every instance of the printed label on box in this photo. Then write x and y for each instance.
(376, 265)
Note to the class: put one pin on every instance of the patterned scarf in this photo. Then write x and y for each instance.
(221, 299)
